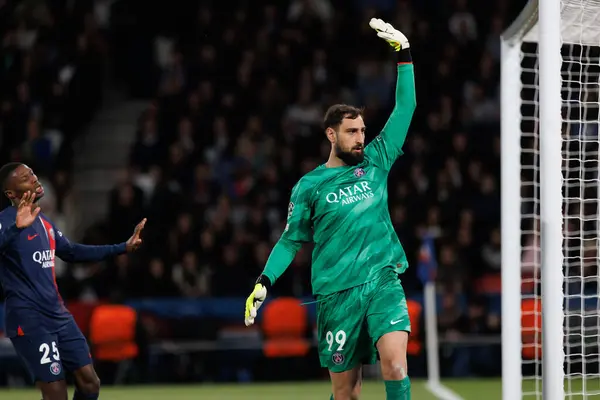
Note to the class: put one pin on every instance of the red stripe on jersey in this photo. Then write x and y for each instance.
(52, 242)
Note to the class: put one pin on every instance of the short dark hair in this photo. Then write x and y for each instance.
(337, 112)
(5, 172)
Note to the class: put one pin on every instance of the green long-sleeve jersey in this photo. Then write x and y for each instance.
(344, 210)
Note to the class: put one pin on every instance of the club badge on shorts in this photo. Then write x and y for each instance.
(55, 368)
(337, 358)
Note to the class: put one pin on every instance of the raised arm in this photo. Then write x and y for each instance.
(387, 147)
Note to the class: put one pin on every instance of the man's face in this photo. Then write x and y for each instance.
(349, 144)
(23, 180)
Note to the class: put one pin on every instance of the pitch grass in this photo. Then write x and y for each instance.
(474, 389)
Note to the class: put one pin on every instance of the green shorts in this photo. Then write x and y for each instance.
(350, 322)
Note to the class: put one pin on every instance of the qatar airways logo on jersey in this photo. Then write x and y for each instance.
(45, 258)
(351, 194)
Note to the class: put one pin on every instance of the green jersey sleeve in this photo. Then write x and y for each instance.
(298, 230)
(299, 226)
(387, 147)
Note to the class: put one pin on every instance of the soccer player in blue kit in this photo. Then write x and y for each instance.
(42, 330)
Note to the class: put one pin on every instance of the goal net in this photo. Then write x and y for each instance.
(523, 199)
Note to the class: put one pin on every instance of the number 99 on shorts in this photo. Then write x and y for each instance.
(335, 342)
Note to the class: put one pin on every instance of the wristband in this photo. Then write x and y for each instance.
(265, 281)
(404, 56)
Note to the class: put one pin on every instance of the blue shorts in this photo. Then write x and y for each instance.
(46, 355)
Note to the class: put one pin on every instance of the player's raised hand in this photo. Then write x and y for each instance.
(135, 240)
(253, 303)
(27, 210)
(387, 32)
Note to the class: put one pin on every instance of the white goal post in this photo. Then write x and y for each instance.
(550, 201)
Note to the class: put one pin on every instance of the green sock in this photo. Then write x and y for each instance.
(331, 398)
(398, 390)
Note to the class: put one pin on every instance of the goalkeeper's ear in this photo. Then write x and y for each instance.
(330, 133)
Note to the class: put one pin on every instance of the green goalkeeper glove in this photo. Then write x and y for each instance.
(256, 299)
(387, 32)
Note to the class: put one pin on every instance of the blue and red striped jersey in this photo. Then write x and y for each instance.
(33, 303)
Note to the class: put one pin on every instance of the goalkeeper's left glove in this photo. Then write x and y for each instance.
(387, 32)
(256, 299)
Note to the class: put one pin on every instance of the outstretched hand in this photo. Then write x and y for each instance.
(27, 210)
(387, 32)
(135, 241)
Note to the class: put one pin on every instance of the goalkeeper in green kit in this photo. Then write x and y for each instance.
(342, 207)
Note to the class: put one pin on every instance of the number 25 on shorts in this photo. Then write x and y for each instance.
(45, 351)
(338, 339)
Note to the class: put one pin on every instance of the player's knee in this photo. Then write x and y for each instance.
(394, 369)
(93, 386)
(53, 390)
(356, 390)
(393, 364)
(347, 393)
(90, 386)
(55, 396)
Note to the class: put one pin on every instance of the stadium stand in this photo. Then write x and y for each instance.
(51, 81)
(236, 93)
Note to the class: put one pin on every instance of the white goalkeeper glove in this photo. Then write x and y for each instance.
(387, 32)
(255, 300)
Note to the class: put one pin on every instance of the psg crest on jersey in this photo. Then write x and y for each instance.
(358, 172)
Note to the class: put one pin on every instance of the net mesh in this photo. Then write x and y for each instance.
(580, 85)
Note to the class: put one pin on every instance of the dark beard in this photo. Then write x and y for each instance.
(348, 157)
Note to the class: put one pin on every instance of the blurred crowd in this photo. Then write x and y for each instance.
(238, 92)
(51, 77)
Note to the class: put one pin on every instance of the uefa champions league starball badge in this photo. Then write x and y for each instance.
(358, 172)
